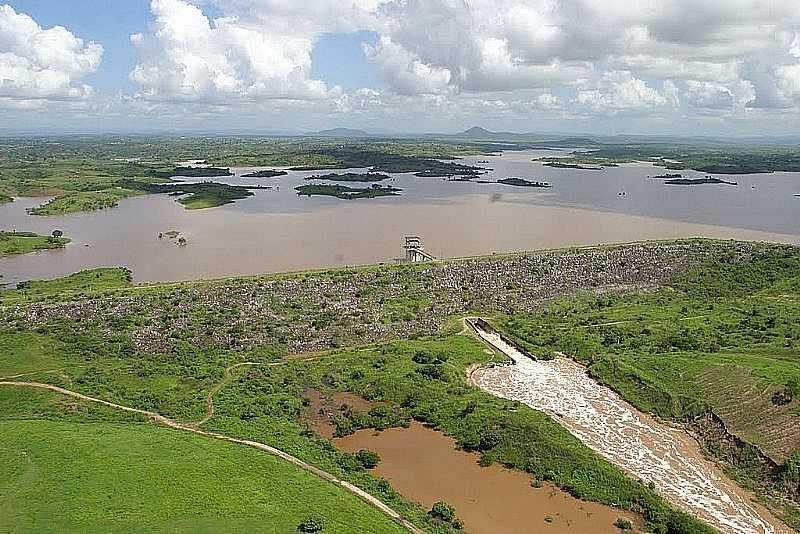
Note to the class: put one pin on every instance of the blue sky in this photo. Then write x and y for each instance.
(109, 26)
(389, 65)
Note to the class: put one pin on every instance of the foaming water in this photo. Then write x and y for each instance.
(637, 443)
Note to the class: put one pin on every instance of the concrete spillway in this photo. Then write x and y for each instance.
(643, 447)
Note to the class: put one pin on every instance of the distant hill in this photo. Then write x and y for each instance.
(342, 132)
(477, 133)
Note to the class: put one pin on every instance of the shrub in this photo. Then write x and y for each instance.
(623, 523)
(312, 523)
(368, 459)
(443, 512)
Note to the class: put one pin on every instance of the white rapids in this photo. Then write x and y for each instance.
(637, 443)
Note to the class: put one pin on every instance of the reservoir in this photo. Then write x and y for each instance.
(276, 230)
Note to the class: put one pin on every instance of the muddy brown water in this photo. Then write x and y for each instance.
(275, 230)
(425, 466)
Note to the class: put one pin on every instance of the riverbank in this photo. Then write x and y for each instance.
(13, 243)
(665, 457)
(716, 352)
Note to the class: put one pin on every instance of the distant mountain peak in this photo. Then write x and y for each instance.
(477, 130)
(343, 132)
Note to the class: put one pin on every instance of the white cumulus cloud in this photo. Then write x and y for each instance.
(42, 64)
(188, 56)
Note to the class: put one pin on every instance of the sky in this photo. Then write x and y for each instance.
(677, 67)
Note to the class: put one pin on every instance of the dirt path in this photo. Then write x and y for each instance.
(213, 391)
(166, 421)
(226, 377)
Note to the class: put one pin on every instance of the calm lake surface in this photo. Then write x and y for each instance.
(275, 230)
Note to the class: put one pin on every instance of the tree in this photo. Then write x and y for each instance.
(57, 233)
(368, 459)
(443, 512)
(312, 523)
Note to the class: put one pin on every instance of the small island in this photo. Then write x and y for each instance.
(347, 193)
(13, 243)
(197, 196)
(699, 181)
(560, 165)
(521, 182)
(193, 172)
(351, 177)
(266, 173)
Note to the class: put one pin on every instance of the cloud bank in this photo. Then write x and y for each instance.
(554, 58)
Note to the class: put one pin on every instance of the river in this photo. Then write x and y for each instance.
(643, 447)
(275, 230)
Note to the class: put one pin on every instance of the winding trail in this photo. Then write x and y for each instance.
(637, 443)
(213, 391)
(171, 423)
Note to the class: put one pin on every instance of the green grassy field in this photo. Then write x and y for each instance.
(82, 282)
(12, 243)
(135, 477)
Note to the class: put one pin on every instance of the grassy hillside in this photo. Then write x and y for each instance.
(423, 379)
(724, 339)
(166, 347)
(100, 476)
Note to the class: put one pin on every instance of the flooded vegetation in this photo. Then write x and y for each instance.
(425, 466)
(346, 193)
(651, 451)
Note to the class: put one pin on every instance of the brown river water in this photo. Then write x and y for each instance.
(275, 230)
(645, 448)
(425, 466)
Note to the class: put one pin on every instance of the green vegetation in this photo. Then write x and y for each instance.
(5, 198)
(703, 156)
(24, 242)
(84, 201)
(560, 165)
(444, 513)
(165, 347)
(91, 170)
(724, 339)
(698, 181)
(199, 195)
(580, 160)
(347, 193)
(351, 177)
(623, 524)
(193, 172)
(421, 379)
(83, 282)
(267, 173)
(521, 182)
(121, 467)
